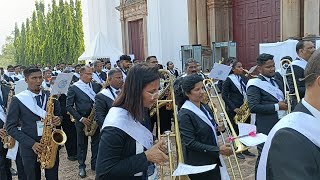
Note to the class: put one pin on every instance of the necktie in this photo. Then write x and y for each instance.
(243, 87)
(272, 82)
(117, 92)
(48, 85)
(38, 100)
(211, 120)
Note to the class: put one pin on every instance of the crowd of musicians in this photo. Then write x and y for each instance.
(124, 146)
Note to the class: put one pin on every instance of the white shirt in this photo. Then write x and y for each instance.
(1, 96)
(314, 111)
(34, 96)
(276, 106)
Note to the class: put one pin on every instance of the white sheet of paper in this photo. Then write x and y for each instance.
(317, 44)
(253, 118)
(245, 129)
(20, 86)
(12, 153)
(184, 169)
(253, 141)
(220, 71)
(281, 114)
(39, 128)
(62, 83)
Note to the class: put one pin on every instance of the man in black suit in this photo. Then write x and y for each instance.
(304, 50)
(4, 162)
(80, 100)
(105, 97)
(266, 97)
(26, 111)
(292, 148)
(76, 74)
(98, 75)
(6, 76)
(124, 65)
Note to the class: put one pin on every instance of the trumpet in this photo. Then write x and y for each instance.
(168, 134)
(238, 146)
(286, 64)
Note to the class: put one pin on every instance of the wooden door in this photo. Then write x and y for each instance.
(136, 39)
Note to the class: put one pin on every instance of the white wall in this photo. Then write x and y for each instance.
(103, 17)
(167, 26)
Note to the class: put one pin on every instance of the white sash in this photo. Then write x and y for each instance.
(86, 89)
(236, 82)
(266, 86)
(120, 118)
(77, 75)
(301, 63)
(97, 78)
(26, 98)
(44, 85)
(190, 106)
(304, 123)
(107, 92)
(3, 115)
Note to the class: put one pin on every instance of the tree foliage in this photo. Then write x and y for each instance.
(50, 37)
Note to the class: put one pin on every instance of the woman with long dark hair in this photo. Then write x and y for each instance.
(126, 149)
(198, 130)
(234, 94)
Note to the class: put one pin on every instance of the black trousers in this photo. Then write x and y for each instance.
(5, 164)
(259, 148)
(71, 132)
(33, 171)
(82, 148)
(21, 174)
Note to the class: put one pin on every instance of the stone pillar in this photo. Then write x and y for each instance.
(290, 19)
(311, 17)
(202, 30)
(192, 21)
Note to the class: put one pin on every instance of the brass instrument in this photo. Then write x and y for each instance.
(91, 130)
(163, 92)
(248, 74)
(238, 146)
(51, 138)
(8, 141)
(169, 134)
(243, 113)
(285, 64)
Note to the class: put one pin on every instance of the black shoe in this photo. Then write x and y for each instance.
(72, 158)
(13, 172)
(82, 173)
(248, 153)
(240, 156)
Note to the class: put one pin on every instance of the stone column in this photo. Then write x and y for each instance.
(202, 30)
(311, 17)
(192, 21)
(290, 19)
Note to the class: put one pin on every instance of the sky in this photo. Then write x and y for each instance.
(12, 11)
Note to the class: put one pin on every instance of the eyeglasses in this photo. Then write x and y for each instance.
(153, 95)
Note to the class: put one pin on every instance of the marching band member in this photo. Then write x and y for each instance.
(124, 65)
(152, 61)
(304, 50)
(170, 68)
(46, 83)
(82, 95)
(98, 75)
(198, 130)
(76, 74)
(126, 149)
(191, 67)
(266, 97)
(7, 75)
(4, 162)
(234, 94)
(107, 66)
(17, 75)
(28, 110)
(106, 97)
(292, 148)
(68, 127)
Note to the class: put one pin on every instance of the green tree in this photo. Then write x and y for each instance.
(28, 47)
(16, 43)
(79, 42)
(22, 45)
(7, 56)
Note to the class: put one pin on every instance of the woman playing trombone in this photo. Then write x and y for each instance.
(198, 130)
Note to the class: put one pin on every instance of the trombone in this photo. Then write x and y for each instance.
(176, 134)
(238, 146)
(286, 64)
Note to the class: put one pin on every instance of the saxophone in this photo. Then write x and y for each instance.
(243, 113)
(91, 130)
(8, 141)
(51, 138)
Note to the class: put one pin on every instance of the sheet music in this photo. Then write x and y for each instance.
(184, 169)
(12, 153)
(245, 129)
(220, 71)
(253, 141)
(61, 83)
